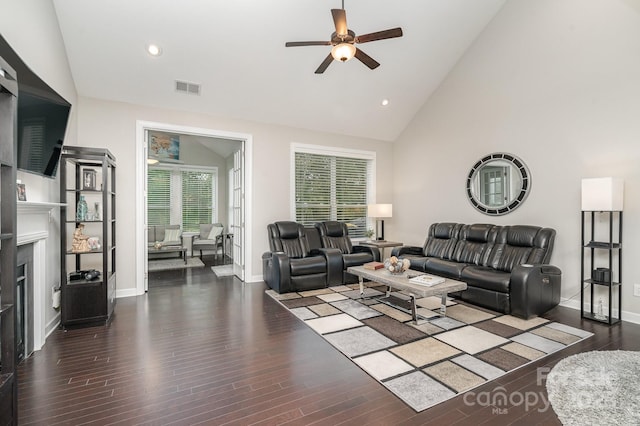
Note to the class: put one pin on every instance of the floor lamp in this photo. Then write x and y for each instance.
(379, 212)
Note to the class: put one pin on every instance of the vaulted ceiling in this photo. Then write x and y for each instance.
(235, 50)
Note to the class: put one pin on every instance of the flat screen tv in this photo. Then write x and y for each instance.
(42, 118)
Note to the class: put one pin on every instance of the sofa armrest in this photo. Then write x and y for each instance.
(374, 251)
(335, 265)
(403, 250)
(276, 271)
(534, 289)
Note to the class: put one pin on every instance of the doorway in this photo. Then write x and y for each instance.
(240, 164)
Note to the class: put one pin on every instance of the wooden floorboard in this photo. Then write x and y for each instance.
(197, 349)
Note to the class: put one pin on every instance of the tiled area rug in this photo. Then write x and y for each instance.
(437, 359)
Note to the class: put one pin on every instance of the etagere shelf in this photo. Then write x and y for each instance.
(601, 251)
(8, 249)
(87, 174)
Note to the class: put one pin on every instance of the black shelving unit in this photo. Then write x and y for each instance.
(8, 243)
(607, 252)
(88, 302)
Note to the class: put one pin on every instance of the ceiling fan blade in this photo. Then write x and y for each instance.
(380, 35)
(307, 43)
(325, 64)
(340, 21)
(366, 59)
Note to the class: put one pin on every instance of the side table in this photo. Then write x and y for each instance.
(381, 245)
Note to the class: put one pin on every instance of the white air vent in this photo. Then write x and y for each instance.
(186, 87)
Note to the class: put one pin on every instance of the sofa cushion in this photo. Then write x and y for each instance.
(308, 265)
(520, 244)
(335, 234)
(171, 236)
(215, 231)
(288, 237)
(486, 278)
(475, 243)
(441, 240)
(445, 268)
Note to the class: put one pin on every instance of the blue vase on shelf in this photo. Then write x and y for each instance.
(82, 209)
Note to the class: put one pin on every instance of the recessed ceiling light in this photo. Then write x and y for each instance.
(154, 50)
(384, 102)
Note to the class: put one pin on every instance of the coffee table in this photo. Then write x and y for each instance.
(182, 251)
(401, 282)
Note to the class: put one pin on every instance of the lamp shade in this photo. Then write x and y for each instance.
(379, 210)
(602, 194)
(343, 52)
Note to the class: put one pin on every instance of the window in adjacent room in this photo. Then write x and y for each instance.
(182, 195)
(333, 184)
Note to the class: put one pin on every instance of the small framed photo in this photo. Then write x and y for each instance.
(88, 179)
(22, 192)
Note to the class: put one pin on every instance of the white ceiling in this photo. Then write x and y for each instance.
(235, 50)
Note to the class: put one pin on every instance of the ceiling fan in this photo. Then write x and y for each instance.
(344, 40)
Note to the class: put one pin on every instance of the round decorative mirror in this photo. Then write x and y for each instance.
(498, 183)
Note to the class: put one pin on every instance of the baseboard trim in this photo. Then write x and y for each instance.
(626, 316)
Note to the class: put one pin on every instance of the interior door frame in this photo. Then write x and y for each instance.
(141, 189)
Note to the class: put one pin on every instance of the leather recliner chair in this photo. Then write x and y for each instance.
(296, 262)
(334, 234)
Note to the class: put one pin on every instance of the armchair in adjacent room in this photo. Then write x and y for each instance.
(211, 237)
(334, 234)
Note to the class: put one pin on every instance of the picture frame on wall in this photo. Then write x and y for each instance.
(22, 192)
(89, 179)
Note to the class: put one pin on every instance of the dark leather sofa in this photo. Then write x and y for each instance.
(300, 259)
(506, 268)
(334, 234)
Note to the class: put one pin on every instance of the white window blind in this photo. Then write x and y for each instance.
(197, 199)
(182, 195)
(159, 197)
(331, 187)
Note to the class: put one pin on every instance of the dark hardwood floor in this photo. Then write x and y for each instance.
(202, 350)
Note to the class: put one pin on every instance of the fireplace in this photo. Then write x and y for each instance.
(24, 302)
(38, 250)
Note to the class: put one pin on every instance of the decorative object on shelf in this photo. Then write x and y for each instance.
(157, 245)
(22, 191)
(94, 243)
(379, 212)
(80, 243)
(89, 179)
(96, 210)
(395, 265)
(82, 209)
(498, 183)
(601, 198)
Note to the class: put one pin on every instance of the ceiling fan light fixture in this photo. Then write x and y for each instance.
(343, 52)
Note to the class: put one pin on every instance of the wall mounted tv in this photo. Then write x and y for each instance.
(42, 118)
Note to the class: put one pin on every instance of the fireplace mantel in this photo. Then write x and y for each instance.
(34, 219)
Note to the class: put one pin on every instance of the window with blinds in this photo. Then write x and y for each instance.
(332, 187)
(197, 199)
(182, 195)
(159, 197)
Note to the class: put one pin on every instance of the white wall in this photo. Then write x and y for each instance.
(555, 82)
(31, 28)
(113, 125)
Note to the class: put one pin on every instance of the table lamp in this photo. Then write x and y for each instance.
(379, 212)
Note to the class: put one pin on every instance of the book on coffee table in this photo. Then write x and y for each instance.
(373, 265)
(427, 280)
